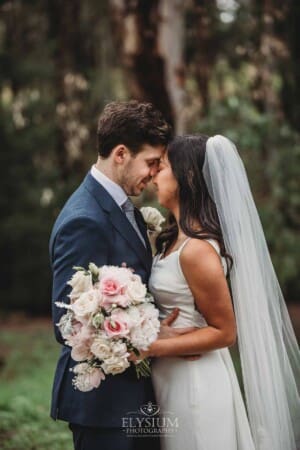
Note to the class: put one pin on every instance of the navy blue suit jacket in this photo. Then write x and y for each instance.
(92, 228)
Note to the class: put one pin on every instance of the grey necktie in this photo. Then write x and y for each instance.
(128, 209)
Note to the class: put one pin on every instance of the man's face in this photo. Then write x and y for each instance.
(138, 170)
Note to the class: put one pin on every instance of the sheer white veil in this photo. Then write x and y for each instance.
(268, 347)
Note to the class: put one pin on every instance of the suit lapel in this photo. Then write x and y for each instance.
(124, 227)
(119, 220)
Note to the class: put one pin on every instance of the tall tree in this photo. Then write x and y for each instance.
(286, 28)
(136, 26)
(203, 45)
(56, 76)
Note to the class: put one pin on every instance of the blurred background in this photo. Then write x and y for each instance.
(211, 66)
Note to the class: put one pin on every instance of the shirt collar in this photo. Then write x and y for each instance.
(114, 189)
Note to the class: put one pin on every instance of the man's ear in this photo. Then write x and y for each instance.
(120, 154)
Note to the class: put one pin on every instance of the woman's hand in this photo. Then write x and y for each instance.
(143, 354)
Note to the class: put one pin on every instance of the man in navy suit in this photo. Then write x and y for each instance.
(94, 226)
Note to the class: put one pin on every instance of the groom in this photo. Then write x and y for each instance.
(99, 224)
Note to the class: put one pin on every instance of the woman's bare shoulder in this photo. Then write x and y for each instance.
(200, 256)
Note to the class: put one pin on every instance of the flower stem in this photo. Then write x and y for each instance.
(143, 368)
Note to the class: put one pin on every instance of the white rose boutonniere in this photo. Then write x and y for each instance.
(153, 219)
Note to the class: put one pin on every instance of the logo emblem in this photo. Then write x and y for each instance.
(150, 409)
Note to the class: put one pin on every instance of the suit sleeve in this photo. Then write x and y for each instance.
(79, 242)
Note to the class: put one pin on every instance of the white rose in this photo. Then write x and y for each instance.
(94, 269)
(80, 352)
(101, 348)
(115, 365)
(87, 377)
(80, 282)
(119, 348)
(80, 368)
(142, 337)
(153, 218)
(134, 315)
(122, 274)
(136, 290)
(86, 304)
(137, 338)
(146, 332)
(148, 311)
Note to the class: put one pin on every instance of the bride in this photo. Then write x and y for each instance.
(215, 233)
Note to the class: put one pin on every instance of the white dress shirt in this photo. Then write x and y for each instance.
(119, 196)
(117, 193)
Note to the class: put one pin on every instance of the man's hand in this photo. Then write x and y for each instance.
(166, 331)
(191, 357)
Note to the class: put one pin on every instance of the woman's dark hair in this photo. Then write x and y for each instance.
(186, 155)
(132, 124)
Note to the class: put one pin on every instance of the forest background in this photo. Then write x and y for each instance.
(211, 66)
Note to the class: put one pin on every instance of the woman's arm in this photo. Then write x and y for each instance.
(203, 271)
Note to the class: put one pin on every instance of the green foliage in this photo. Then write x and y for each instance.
(60, 67)
(53, 86)
(25, 387)
(270, 150)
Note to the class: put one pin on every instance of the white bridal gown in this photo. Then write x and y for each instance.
(204, 394)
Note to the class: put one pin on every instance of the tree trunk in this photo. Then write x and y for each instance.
(203, 43)
(171, 41)
(64, 29)
(287, 29)
(136, 26)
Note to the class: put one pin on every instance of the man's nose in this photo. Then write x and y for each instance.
(153, 171)
(153, 180)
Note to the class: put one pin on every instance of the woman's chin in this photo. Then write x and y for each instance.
(161, 202)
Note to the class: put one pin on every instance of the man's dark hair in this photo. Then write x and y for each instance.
(132, 124)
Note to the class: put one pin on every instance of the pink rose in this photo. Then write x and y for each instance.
(115, 326)
(118, 300)
(110, 286)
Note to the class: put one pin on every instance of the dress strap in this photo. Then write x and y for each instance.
(182, 245)
(214, 244)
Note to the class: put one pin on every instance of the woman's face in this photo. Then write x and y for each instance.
(166, 184)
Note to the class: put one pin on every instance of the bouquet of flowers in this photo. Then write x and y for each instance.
(110, 315)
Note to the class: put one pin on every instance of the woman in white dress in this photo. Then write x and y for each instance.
(215, 231)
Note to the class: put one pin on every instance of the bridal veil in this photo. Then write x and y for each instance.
(268, 347)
